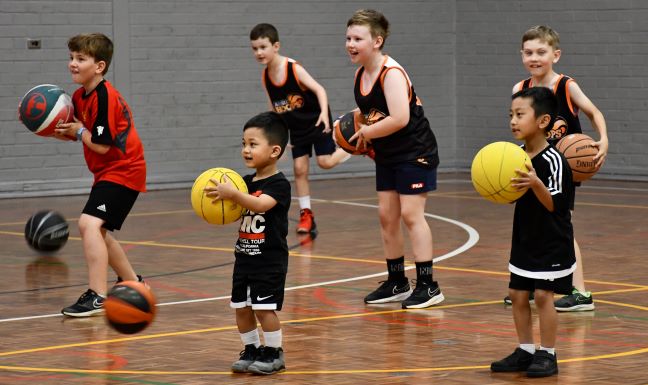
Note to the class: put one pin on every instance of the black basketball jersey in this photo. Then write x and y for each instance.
(414, 142)
(298, 107)
(542, 245)
(262, 245)
(567, 115)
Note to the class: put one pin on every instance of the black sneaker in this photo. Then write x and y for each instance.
(576, 301)
(518, 361)
(390, 291)
(425, 294)
(247, 357)
(507, 299)
(544, 364)
(268, 361)
(89, 304)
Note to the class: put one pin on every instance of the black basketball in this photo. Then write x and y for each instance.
(46, 231)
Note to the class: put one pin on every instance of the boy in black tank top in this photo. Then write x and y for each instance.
(540, 51)
(406, 159)
(303, 104)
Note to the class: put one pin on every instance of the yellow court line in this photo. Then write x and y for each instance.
(615, 303)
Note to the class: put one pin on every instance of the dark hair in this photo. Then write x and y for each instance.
(97, 45)
(273, 126)
(543, 101)
(265, 30)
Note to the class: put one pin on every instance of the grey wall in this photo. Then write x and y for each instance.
(187, 71)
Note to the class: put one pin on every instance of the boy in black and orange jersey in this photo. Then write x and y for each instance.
(540, 51)
(114, 154)
(302, 102)
(406, 156)
(261, 250)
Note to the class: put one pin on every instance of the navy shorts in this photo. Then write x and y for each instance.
(559, 285)
(261, 291)
(111, 202)
(324, 145)
(406, 178)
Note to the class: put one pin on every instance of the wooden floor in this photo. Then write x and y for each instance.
(330, 335)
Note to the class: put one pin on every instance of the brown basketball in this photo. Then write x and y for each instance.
(345, 127)
(579, 150)
(130, 307)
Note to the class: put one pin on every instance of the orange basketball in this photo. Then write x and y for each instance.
(130, 307)
(579, 150)
(345, 127)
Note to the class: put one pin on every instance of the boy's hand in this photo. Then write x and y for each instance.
(67, 131)
(359, 135)
(601, 155)
(526, 179)
(224, 190)
(323, 120)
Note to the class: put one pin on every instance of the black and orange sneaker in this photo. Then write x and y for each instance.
(306, 222)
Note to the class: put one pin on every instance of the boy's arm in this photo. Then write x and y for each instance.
(596, 118)
(226, 190)
(531, 180)
(307, 81)
(65, 131)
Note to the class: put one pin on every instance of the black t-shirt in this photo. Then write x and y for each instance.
(262, 245)
(543, 241)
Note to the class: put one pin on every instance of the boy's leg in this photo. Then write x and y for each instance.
(544, 360)
(118, 260)
(331, 160)
(427, 291)
(246, 323)
(522, 357)
(270, 359)
(301, 166)
(579, 299)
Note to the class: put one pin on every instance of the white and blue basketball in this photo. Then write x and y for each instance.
(43, 107)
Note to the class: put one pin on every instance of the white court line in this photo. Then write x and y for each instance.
(473, 237)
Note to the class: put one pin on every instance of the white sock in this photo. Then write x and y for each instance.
(251, 338)
(304, 202)
(272, 339)
(529, 348)
(552, 351)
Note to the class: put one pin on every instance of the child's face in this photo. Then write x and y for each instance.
(84, 68)
(539, 57)
(263, 50)
(360, 44)
(524, 123)
(257, 152)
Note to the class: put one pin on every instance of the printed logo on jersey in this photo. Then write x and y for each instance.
(100, 130)
(559, 128)
(374, 116)
(252, 231)
(291, 103)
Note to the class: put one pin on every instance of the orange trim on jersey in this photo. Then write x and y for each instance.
(374, 82)
(519, 86)
(568, 96)
(284, 79)
(294, 66)
(409, 86)
(555, 90)
(251, 235)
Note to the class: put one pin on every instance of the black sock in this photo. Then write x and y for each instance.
(424, 272)
(396, 269)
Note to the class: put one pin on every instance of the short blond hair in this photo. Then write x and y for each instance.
(376, 21)
(543, 33)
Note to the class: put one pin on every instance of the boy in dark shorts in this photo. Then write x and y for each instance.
(542, 251)
(261, 250)
(114, 154)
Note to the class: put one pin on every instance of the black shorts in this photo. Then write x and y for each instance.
(261, 291)
(111, 202)
(324, 145)
(406, 178)
(559, 285)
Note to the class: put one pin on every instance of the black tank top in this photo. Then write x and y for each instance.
(567, 116)
(413, 143)
(298, 107)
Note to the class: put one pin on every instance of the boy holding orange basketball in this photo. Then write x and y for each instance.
(540, 51)
(542, 249)
(261, 250)
(303, 104)
(406, 157)
(114, 154)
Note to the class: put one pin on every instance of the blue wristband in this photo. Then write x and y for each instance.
(79, 133)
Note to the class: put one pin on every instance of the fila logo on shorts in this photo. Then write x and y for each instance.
(416, 185)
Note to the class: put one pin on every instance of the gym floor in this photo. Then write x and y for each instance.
(330, 335)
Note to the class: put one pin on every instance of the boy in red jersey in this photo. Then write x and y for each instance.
(114, 154)
(303, 104)
(540, 51)
(406, 156)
